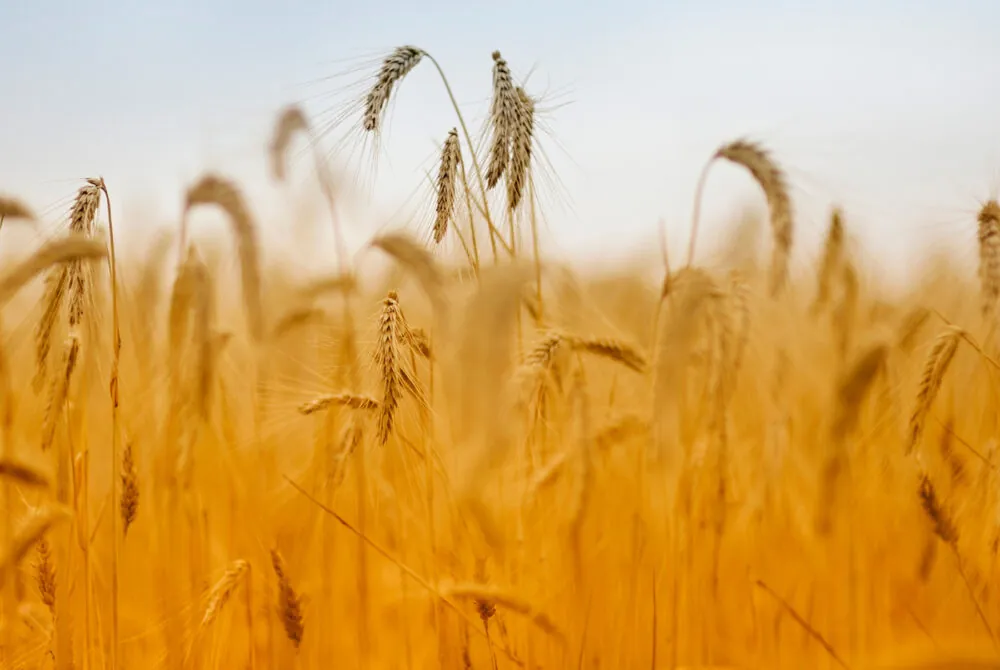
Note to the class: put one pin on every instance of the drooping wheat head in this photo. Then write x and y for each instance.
(291, 121)
(771, 180)
(394, 68)
(11, 208)
(215, 190)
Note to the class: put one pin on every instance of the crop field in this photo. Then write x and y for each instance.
(483, 458)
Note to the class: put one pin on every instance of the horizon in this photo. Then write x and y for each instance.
(887, 112)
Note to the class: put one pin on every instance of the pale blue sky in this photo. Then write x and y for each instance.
(889, 108)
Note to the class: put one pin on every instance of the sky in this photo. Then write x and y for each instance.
(890, 110)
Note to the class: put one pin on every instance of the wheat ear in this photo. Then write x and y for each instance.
(771, 180)
(387, 359)
(291, 121)
(503, 119)
(522, 136)
(451, 158)
(935, 367)
(289, 604)
(394, 68)
(11, 208)
(213, 189)
(833, 251)
(989, 257)
(31, 530)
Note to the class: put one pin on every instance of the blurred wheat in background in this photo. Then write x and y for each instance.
(485, 459)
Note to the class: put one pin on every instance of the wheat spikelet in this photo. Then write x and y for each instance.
(324, 402)
(291, 121)
(989, 257)
(213, 189)
(451, 158)
(45, 575)
(130, 489)
(520, 155)
(833, 251)
(223, 590)
(394, 68)
(24, 473)
(289, 606)
(501, 598)
(59, 392)
(387, 359)
(503, 120)
(14, 209)
(771, 180)
(935, 368)
(31, 530)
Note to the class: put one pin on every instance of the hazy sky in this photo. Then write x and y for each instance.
(889, 108)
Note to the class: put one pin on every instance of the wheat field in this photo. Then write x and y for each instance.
(484, 459)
